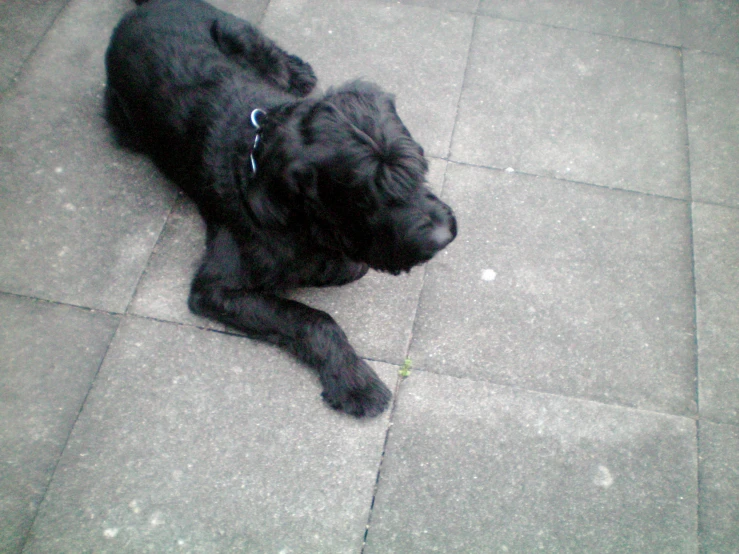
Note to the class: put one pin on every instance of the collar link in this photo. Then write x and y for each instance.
(257, 116)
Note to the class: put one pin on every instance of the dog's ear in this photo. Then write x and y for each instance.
(302, 179)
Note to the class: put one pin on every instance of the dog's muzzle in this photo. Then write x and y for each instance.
(413, 234)
(444, 226)
(441, 231)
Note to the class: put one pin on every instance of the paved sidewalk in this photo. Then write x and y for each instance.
(575, 381)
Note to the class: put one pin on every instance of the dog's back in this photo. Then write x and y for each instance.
(161, 64)
(174, 65)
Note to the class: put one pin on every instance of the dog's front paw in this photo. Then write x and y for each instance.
(369, 400)
(302, 78)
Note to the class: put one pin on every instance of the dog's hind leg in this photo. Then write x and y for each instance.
(119, 116)
(247, 46)
(349, 383)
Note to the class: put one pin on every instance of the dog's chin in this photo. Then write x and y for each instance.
(397, 267)
(402, 258)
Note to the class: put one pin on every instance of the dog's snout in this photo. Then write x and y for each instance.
(441, 236)
(444, 223)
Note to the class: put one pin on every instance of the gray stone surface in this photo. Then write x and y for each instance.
(205, 442)
(435, 176)
(79, 216)
(719, 488)
(711, 25)
(251, 10)
(711, 85)
(650, 20)
(556, 345)
(562, 287)
(165, 285)
(716, 235)
(49, 355)
(576, 106)
(478, 468)
(416, 53)
(23, 24)
(469, 6)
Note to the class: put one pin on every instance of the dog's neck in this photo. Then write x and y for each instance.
(266, 123)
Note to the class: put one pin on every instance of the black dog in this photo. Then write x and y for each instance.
(295, 191)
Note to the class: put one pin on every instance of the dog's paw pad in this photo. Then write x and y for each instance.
(369, 401)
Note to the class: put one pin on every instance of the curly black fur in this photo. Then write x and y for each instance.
(339, 184)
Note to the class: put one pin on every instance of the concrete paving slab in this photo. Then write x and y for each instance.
(651, 20)
(472, 467)
(165, 285)
(23, 24)
(79, 216)
(251, 10)
(49, 355)
(469, 6)
(562, 287)
(551, 285)
(716, 236)
(719, 487)
(711, 25)
(413, 52)
(206, 442)
(711, 84)
(576, 106)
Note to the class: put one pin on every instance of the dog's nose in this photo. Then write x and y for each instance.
(442, 232)
(442, 235)
(445, 224)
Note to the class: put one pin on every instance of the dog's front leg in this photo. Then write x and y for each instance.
(349, 384)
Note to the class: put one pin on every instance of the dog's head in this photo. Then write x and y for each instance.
(360, 176)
